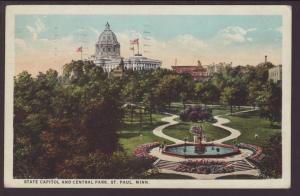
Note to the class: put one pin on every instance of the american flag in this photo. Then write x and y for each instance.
(135, 41)
(79, 49)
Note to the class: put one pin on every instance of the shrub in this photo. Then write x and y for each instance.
(195, 114)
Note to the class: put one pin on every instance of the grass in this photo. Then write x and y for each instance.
(251, 123)
(177, 107)
(222, 110)
(134, 134)
(181, 131)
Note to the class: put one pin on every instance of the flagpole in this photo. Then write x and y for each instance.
(133, 51)
(81, 53)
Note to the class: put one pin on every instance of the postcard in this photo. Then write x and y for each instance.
(147, 96)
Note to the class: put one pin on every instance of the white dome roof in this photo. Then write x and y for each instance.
(108, 37)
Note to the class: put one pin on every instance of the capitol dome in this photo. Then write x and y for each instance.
(107, 45)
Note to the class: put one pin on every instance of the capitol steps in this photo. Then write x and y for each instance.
(170, 165)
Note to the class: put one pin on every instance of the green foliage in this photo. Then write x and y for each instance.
(99, 165)
(66, 126)
(270, 102)
(271, 165)
(60, 122)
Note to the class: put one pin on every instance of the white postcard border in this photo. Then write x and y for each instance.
(284, 11)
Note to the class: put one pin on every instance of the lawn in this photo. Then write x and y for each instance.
(177, 107)
(251, 123)
(132, 135)
(181, 131)
(222, 110)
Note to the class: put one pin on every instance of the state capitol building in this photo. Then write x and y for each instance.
(107, 54)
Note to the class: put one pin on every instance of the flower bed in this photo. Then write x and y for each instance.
(257, 155)
(205, 167)
(143, 150)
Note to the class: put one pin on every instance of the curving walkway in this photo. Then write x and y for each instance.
(234, 133)
(158, 131)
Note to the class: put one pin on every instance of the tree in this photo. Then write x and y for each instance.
(130, 94)
(168, 89)
(254, 92)
(270, 102)
(58, 124)
(229, 96)
(149, 103)
(271, 165)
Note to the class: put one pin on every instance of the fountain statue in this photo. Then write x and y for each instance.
(199, 138)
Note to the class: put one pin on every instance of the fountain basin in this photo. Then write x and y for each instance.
(193, 150)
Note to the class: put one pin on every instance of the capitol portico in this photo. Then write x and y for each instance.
(107, 54)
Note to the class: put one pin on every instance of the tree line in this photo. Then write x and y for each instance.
(65, 126)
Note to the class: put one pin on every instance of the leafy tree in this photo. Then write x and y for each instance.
(149, 103)
(229, 96)
(168, 88)
(271, 165)
(270, 102)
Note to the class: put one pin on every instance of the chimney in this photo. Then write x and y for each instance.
(266, 59)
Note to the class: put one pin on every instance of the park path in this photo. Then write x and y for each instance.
(234, 133)
(158, 131)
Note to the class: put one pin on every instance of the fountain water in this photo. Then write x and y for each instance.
(200, 148)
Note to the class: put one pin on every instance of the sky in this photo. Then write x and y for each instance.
(50, 41)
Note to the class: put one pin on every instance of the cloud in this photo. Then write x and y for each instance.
(20, 43)
(188, 41)
(95, 31)
(235, 34)
(36, 28)
(40, 54)
(186, 47)
(279, 29)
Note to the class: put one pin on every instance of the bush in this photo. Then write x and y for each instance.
(195, 114)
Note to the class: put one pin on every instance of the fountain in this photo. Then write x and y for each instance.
(200, 148)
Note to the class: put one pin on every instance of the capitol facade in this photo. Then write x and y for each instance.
(107, 54)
